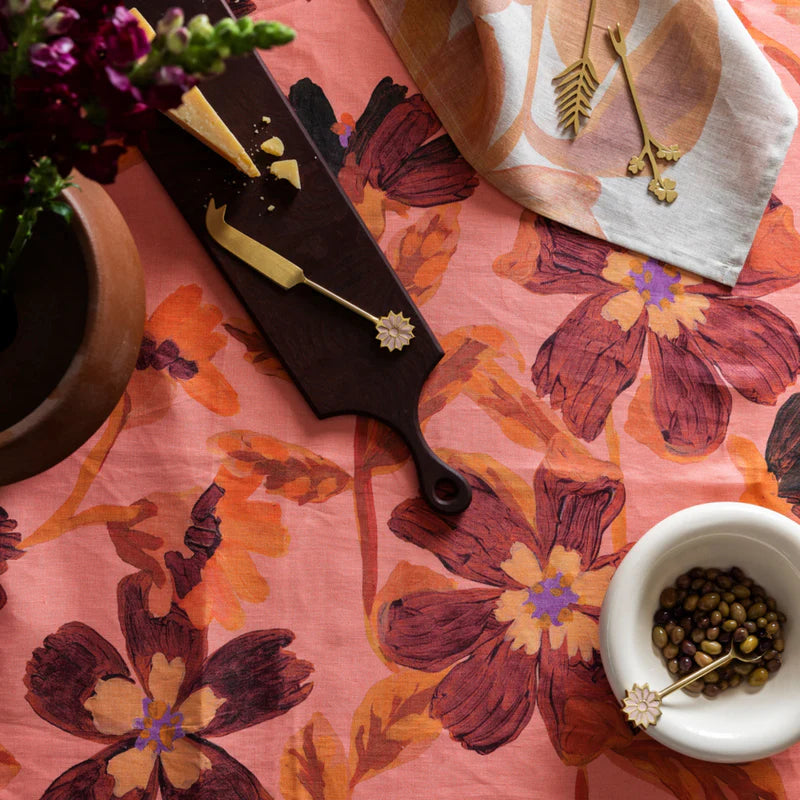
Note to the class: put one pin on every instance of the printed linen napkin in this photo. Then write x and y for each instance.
(487, 69)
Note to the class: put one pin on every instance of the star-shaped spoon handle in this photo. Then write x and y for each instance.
(642, 705)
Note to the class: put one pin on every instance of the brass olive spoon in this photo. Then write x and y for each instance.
(642, 705)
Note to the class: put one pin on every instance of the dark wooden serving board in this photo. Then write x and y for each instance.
(331, 353)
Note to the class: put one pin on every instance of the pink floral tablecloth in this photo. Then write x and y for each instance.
(221, 596)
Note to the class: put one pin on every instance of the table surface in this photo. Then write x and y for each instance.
(264, 595)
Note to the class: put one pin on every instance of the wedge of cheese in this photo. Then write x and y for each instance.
(287, 171)
(196, 116)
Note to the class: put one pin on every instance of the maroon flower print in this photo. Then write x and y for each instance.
(202, 537)
(391, 149)
(165, 355)
(154, 727)
(700, 337)
(10, 537)
(394, 155)
(528, 635)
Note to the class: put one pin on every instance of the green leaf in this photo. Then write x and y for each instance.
(62, 209)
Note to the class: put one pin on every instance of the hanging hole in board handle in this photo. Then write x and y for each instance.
(443, 488)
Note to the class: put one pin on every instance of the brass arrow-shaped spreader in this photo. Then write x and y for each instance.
(395, 331)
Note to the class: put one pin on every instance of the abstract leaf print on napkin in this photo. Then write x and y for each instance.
(155, 726)
(700, 338)
(528, 634)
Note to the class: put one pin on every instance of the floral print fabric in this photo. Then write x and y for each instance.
(507, 76)
(222, 596)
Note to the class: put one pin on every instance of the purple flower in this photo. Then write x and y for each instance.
(59, 22)
(122, 82)
(172, 19)
(53, 57)
(171, 83)
(122, 18)
(174, 76)
(126, 41)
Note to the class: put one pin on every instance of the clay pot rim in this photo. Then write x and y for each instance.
(67, 404)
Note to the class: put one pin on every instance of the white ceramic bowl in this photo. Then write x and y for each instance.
(740, 724)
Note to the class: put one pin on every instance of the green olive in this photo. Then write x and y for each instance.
(690, 603)
(749, 644)
(756, 610)
(758, 677)
(670, 650)
(702, 659)
(738, 613)
(659, 636)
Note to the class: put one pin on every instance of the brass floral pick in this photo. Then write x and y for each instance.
(394, 330)
(642, 705)
(577, 84)
(663, 188)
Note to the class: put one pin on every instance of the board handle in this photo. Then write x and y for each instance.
(443, 488)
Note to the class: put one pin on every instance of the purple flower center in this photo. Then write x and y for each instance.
(550, 597)
(344, 138)
(159, 727)
(654, 283)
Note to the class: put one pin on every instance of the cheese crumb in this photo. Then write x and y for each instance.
(273, 146)
(270, 208)
(266, 119)
(287, 171)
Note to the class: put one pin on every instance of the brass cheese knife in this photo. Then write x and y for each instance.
(394, 330)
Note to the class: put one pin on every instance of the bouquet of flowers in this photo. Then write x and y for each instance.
(80, 82)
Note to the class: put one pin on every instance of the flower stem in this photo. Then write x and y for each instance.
(66, 518)
(366, 518)
(581, 784)
(619, 527)
(22, 234)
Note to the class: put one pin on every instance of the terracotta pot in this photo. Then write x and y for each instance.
(81, 308)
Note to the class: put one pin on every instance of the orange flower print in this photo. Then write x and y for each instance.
(197, 548)
(155, 727)
(178, 345)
